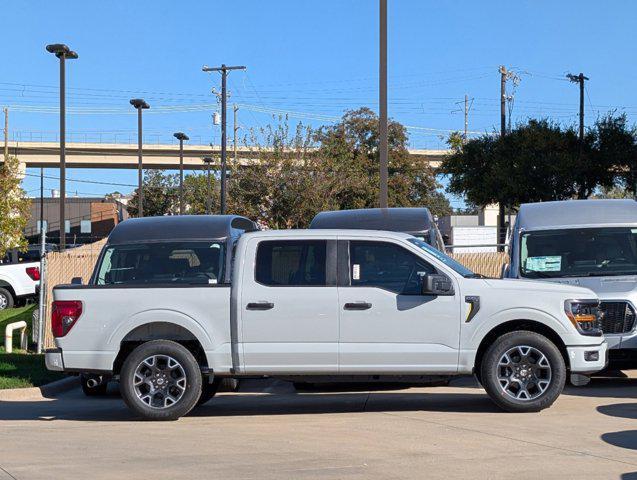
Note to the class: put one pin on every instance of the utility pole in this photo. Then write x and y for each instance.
(41, 198)
(224, 69)
(235, 109)
(383, 149)
(6, 132)
(503, 127)
(580, 79)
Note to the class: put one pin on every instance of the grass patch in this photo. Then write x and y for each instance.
(21, 369)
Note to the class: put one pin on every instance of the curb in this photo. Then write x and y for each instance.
(38, 393)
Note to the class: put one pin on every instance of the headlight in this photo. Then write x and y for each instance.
(584, 315)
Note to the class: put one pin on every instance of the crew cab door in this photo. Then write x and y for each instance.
(288, 306)
(386, 324)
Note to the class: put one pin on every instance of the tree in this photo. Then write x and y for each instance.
(348, 163)
(196, 193)
(539, 161)
(161, 195)
(14, 207)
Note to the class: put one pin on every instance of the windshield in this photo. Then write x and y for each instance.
(448, 261)
(579, 252)
(162, 263)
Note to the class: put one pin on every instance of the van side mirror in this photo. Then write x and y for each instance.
(436, 284)
(76, 281)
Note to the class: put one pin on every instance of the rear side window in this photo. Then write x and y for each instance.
(387, 266)
(291, 263)
(163, 263)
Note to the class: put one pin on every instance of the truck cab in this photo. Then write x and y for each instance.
(587, 243)
(311, 305)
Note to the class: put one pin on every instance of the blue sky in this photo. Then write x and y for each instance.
(314, 59)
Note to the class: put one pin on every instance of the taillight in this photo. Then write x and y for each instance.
(64, 314)
(33, 273)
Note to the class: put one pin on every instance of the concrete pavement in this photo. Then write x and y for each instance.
(268, 430)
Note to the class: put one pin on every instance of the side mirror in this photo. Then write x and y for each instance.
(76, 281)
(437, 284)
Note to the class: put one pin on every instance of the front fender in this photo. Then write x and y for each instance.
(482, 328)
(160, 316)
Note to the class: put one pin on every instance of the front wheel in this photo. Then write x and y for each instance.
(161, 380)
(523, 372)
(6, 299)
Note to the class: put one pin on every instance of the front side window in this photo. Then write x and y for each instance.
(291, 263)
(579, 252)
(163, 263)
(443, 257)
(387, 266)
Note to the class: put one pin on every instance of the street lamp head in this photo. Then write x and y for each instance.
(181, 136)
(139, 103)
(61, 50)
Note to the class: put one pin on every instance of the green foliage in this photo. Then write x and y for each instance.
(297, 172)
(14, 207)
(160, 195)
(539, 161)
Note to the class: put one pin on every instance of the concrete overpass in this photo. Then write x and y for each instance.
(163, 157)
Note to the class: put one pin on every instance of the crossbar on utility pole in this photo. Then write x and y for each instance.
(383, 149)
(224, 69)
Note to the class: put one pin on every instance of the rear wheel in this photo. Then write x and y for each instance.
(6, 299)
(523, 372)
(161, 380)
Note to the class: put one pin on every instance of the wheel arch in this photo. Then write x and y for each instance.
(518, 325)
(159, 330)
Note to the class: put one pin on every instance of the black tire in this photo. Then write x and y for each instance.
(6, 299)
(189, 372)
(97, 391)
(511, 340)
(208, 390)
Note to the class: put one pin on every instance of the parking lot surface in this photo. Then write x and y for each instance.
(269, 430)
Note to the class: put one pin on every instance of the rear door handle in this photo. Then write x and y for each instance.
(260, 306)
(358, 306)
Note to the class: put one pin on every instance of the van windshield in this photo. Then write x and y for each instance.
(162, 263)
(579, 252)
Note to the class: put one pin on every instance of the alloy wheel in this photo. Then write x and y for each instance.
(159, 381)
(524, 373)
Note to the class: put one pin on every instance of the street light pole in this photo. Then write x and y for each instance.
(181, 137)
(383, 149)
(62, 52)
(224, 69)
(208, 161)
(140, 104)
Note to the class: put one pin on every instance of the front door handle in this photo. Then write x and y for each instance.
(358, 306)
(260, 306)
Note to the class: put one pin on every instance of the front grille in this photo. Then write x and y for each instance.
(617, 317)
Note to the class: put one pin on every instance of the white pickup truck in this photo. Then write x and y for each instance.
(19, 278)
(177, 303)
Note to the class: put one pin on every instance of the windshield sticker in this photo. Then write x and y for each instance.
(552, 263)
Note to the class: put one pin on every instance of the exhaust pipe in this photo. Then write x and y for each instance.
(93, 382)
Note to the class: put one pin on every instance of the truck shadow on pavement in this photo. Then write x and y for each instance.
(606, 387)
(75, 407)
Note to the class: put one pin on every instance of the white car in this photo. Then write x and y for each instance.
(18, 282)
(177, 303)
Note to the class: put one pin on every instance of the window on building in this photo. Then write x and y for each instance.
(39, 226)
(387, 266)
(67, 226)
(291, 263)
(85, 226)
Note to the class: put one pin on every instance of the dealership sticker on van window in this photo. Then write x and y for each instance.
(551, 263)
(356, 272)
